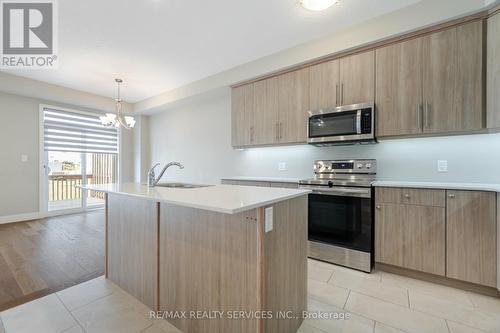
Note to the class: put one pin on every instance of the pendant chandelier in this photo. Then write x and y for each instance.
(118, 119)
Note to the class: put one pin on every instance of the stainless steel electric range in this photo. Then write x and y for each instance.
(341, 212)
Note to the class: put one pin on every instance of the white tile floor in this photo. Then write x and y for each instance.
(376, 303)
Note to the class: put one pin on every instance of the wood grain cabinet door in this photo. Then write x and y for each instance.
(439, 73)
(471, 237)
(242, 104)
(357, 78)
(399, 88)
(453, 79)
(293, 104)
(469, 91)
(424, 239)
(237, 116)
(389, 231)
(265, 115)
(324, 85)
(493, 70)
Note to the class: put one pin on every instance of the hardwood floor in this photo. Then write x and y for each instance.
(40, 257)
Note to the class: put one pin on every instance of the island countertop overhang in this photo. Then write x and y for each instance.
(228, 199)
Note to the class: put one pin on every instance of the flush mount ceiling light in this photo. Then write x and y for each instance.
(317, 5)
(118, 119)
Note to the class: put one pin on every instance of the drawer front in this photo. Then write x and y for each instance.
(423, 197)
(390, 195)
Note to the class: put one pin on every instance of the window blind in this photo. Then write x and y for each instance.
(75, 132)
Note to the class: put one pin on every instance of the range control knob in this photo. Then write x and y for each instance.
(368, 165)
(360, 165)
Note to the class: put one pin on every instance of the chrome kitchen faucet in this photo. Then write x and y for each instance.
(152, 180)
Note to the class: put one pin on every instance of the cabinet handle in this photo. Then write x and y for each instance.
(337, 95)
(341, 94)
(377, 206)
(407, 196)
(427, 122)
(276, 132)
(419, 116)
(281, 130)
(251, 133)
(451, 196)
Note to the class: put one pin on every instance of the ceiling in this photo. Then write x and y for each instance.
(160, 45)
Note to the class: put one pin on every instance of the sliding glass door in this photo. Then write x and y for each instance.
(64, 174)
(77, 150)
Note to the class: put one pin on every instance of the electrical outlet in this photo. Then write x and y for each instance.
(268, 219)
(282, 166)
(24, 158)
(442, 166)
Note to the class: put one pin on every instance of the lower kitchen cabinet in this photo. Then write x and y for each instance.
(410, 236)
(443, 232)
(471, 237)
(389, 220)
(424, 236)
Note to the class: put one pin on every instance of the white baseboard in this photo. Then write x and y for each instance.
(19, 217)
(34, 216)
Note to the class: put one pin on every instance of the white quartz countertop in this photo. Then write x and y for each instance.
(229, 199)
(438, 185)
(265, 179)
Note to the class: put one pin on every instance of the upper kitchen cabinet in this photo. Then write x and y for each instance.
(399, 88)
(293, 103)
(344, 81)
(452, 79)
(357, 78)
(324, 85)
(431, 84)
(242, 114)
(493, 69)
(271, 111)
(265, 118)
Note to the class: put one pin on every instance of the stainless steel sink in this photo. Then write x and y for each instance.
(180, 185)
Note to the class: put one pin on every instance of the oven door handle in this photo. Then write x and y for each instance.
(340, 191)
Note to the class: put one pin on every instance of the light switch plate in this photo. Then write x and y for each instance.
(282, 166)
(268, 224)
(24, 158)
(442, 166)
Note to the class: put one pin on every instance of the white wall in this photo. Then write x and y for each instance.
(198, 134)
(422, 13)
(19, 134)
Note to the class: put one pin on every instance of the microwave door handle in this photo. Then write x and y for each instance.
(358, 122)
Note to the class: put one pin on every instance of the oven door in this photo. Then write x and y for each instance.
(342, 220)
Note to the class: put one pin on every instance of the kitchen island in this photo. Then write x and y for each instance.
(220, 258)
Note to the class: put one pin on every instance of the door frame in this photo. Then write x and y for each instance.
(42, 161)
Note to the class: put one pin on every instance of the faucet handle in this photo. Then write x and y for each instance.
(152, 170)
(151, 175)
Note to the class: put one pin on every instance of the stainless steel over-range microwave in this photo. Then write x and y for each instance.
(348, 124)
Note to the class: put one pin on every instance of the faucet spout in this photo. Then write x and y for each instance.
(153, 180)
